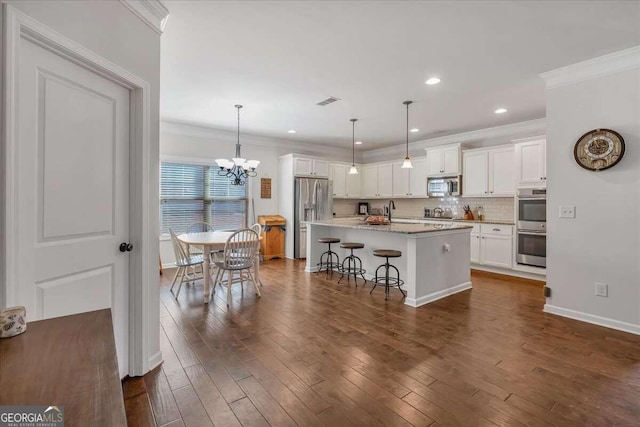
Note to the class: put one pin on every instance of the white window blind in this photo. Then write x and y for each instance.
(196, 193)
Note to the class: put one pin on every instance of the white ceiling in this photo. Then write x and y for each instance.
(280, 58)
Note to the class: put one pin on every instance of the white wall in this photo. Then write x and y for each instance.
(602, 244)
(205, 144)
(112, 31)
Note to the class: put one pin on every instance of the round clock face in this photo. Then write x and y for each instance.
(599, 149)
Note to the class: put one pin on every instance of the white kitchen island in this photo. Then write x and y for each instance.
(435, 258)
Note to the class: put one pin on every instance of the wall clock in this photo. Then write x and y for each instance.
(599, 149)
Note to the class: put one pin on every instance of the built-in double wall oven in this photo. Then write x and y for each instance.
(532, 227)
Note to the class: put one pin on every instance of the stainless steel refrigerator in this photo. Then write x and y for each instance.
(313, 200)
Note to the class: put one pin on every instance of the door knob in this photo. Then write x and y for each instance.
(126, 247)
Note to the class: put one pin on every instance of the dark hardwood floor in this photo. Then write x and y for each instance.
(311, 352)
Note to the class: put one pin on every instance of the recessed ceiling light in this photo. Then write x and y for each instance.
(358, 142)
(291, 131)
(432, 81)
(414, 130)
(500, 111)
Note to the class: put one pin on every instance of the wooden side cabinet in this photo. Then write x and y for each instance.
(273, 233)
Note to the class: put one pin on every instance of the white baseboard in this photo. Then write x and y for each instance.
(509, 272)
(169, 265)
(592, 318)
(154, 361)
(437, 295)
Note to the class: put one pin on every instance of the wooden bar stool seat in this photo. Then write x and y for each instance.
(329, 260)
(388, 280)
(352, 265)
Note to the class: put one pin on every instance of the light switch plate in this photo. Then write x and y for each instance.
(567, 211)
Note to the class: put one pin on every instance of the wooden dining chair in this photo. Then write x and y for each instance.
(183, 262)
(238, 257)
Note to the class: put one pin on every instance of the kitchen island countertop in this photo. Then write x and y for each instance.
(393, 227)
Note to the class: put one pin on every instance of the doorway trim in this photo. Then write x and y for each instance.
(17, 25)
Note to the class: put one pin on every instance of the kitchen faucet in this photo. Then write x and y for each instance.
(391, 205)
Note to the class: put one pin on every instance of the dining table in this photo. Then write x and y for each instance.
(211, 241)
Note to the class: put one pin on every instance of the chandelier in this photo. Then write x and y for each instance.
(237, 169)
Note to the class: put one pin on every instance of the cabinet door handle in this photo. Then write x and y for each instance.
(485, 192)
(496, 229)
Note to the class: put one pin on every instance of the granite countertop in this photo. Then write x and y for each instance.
(472, 221)
(394, 227)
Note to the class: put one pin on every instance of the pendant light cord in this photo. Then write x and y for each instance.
(353, 141)
(407, 103)
(238, 134)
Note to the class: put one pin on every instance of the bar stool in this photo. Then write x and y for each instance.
(354, 264)
(387, 280)
(326, 258)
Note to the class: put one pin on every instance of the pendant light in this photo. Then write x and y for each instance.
(407, 160)
(237, 169)
(353, 170)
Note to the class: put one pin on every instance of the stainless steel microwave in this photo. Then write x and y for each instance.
(444, 186)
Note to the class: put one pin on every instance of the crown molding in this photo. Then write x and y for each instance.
(247, 139)
(151, 12)
(537, 126)
(592, 68)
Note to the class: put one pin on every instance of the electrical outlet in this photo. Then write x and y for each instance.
(602, 289)
(567, 211)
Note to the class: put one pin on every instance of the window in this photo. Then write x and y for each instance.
(196, 193)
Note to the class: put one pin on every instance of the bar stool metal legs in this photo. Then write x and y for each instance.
(388, 279)
(329, 260)
(353, 263)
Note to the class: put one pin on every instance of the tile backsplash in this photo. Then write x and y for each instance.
(496, 208)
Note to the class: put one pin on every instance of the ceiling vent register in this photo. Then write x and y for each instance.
(328, 101)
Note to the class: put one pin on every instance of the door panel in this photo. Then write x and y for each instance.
(73, 198)
(400, 181)
(451, 161)
(339, 180)
(497, 251)
(385, 180)
(435, 164)
(370, 181)
(475, 248)
(321, 168)
(475, 174)
(418, 179)
(353, 183)
(502, 179)
(302, 166)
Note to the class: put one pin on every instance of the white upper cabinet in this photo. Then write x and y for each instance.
(385, 180)
(302, 166)
(400, 180)
(321, 168)
(354, 183)
(370, 181)
(313, 167)
(337, 175)
(502, 178)
(377, 180)
(531, 167)
(418, 179)
(474, 175)
(444, 160)
(489, 172)
(344, 184)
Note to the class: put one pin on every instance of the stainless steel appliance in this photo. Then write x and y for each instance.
(312, 201)
(444, 186)
(531, 239)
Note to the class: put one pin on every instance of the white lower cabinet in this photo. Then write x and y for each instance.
(496, 250)
(492, 245)
(475, 248)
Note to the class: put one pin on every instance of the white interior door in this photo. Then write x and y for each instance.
(73, 191)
